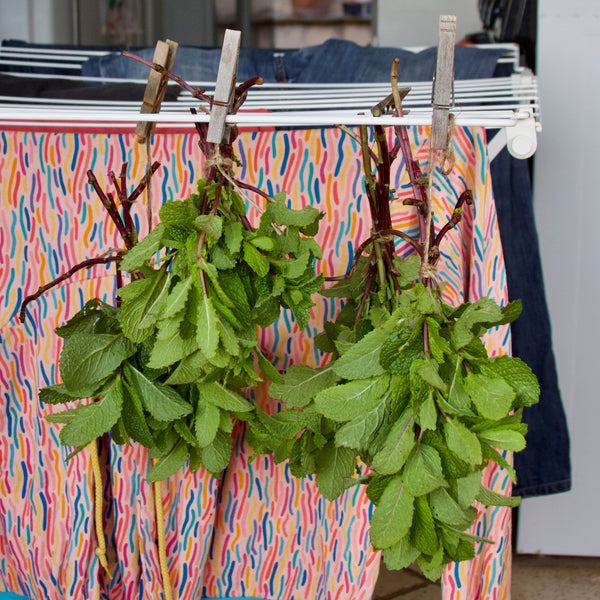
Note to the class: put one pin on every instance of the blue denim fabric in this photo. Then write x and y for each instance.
(544, 466)
(335, 61)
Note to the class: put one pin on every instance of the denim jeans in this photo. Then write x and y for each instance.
(335, 61)
(544, 466)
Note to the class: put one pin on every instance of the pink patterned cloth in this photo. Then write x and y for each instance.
(258, 533)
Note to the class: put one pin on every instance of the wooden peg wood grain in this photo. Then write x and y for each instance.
(164, 56)
(225, 86)
(444, 82)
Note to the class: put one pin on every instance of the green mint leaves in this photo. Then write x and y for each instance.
(167, 366)
(411, 392)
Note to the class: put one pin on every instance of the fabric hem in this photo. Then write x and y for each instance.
(545, 489)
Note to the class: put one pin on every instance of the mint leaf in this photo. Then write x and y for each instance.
(86, 319)
(335, 468)
(422, 533)
(467, 488)
(263, 243)
(134, 419)
(393, 515)
(220, 396)
(161, 401)
(400, 555)
(215, 456)
(462, 442)
(177, 298)
(397, 446)
(432, 567)
(208, 419)
(174, 212)
(445, 509)
(362, 360)
(482, 312)
(301, 384)
(181, 427)
(66, 416)
(143, 299)
(233, 235)
(458, 398)
(87, 359)
(490, 498)
(438, 345)
(255, 260)
(268, 370)
(428, 373)
(211, 224)
(519, 376)
(207, 334)
(492, 396)
(376, 485)
(93, 420)
(171, 463)
(143, 250)
(282, 215)
(295, 268)
(347, 401)
(423, 471)
(401, 349)
(190, 369)
(427, 412)
(56, 394)
(168, 350)
(492, 454)
(503, 438)
(357, 433)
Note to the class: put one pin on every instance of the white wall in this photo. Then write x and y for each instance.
(14, 19)
(415, 22)
(37, 21)
(567, 207)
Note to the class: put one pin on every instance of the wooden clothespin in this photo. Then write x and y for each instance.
(443, 84)
(225, 86)
(164, 56)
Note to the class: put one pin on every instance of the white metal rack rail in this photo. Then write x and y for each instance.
(508, 104)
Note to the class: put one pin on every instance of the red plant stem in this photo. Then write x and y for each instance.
(414, 243)
(465, 197)
(412, 166)
(90, 262)
(383, 172)
(357, 254)
(426, 338)
(111, 208)
(248, 186)
(143, 183)
(241, 92)
(197, 92)
(121, 187)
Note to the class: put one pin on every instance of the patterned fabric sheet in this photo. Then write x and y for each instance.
(259, 532)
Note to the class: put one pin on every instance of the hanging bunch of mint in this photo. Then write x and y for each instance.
(168, 364)
(410, 391)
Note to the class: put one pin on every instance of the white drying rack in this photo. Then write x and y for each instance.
(507, 104)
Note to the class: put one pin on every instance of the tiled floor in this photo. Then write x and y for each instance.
(534, 578)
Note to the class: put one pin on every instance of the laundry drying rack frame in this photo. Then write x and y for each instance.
(510, 105)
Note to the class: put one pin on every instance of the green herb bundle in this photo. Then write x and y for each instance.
(410, 391)
(169, 365)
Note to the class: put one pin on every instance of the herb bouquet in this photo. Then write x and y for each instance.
(410, 404)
